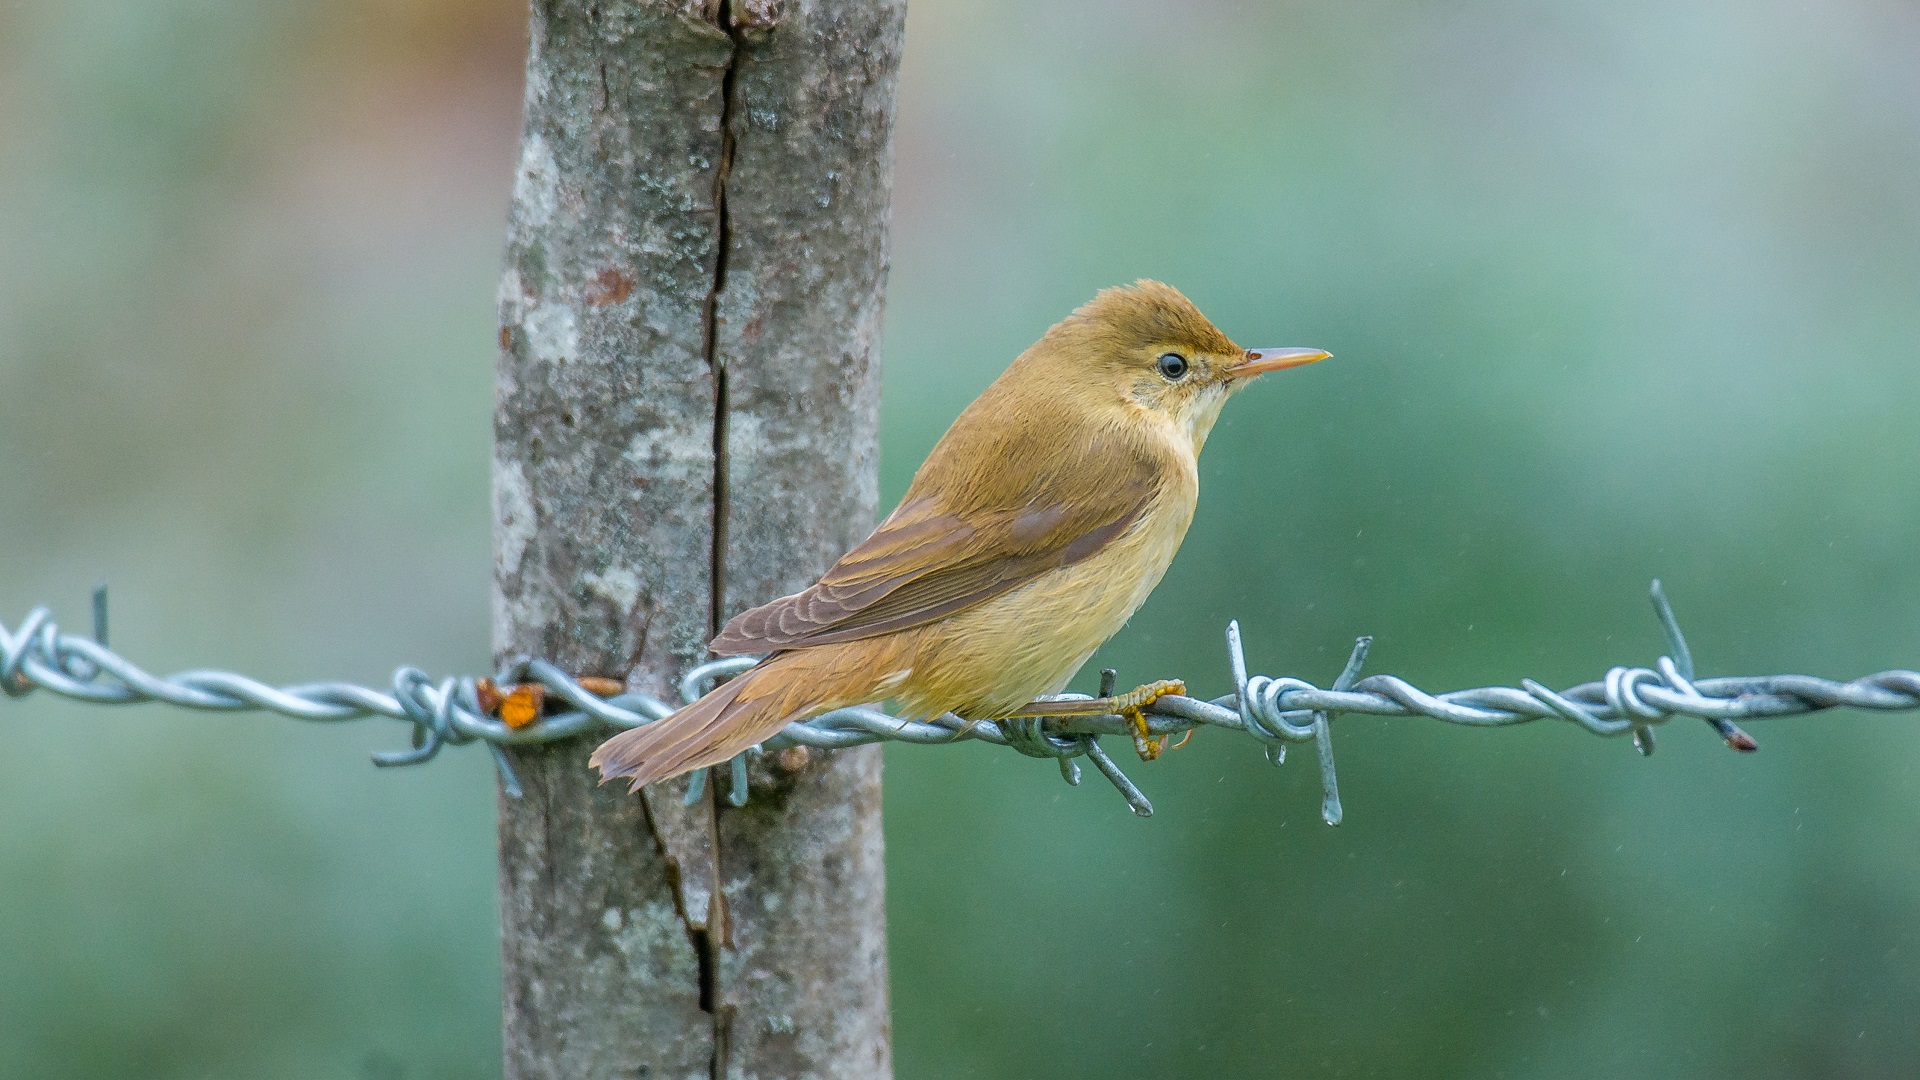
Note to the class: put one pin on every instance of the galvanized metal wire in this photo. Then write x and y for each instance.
(447, 711)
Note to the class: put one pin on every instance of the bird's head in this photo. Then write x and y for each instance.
(1144, 351)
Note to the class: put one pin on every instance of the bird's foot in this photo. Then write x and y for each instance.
(1132, 705)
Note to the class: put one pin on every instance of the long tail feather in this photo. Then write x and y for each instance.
(753, 707)
(728, 720)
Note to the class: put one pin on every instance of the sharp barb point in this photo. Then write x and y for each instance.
(100, 614)
(509, 782)
(737, 781)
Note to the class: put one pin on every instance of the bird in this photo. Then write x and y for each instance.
(1036, 527)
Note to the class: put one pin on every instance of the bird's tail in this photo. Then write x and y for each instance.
(742, 712)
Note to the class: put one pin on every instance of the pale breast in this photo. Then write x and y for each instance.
(989, 660)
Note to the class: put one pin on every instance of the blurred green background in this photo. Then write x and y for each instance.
(1617, 290)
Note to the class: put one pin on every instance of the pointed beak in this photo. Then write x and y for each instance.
(1261, 361)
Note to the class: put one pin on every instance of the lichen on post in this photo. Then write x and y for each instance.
(688, 389)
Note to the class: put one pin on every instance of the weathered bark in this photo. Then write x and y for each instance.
(685, 426)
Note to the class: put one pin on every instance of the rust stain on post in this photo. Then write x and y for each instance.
(610, 286)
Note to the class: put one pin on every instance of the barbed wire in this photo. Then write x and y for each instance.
(450, 711)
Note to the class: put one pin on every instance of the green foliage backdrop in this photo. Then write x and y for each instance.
(1616, 291)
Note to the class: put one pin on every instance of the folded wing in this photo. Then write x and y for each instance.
(931, 558)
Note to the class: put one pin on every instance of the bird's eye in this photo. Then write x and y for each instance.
(1172, 366)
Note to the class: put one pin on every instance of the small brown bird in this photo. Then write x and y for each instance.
(1032, 533)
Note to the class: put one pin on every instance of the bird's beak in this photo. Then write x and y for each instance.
(1261, 361)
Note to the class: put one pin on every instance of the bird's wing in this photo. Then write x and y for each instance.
(929, 559)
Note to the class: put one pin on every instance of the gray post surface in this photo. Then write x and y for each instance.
(687, 395)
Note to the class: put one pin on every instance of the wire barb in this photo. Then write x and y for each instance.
(448, 712)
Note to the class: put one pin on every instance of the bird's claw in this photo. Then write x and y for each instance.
(1133, 705)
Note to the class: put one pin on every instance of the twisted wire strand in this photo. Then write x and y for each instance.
(1275, 711)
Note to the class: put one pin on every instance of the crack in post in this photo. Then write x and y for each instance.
(708, 942)
(711, 319)
(706, 947)
(705, 935)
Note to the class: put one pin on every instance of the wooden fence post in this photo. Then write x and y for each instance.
(688, 389)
